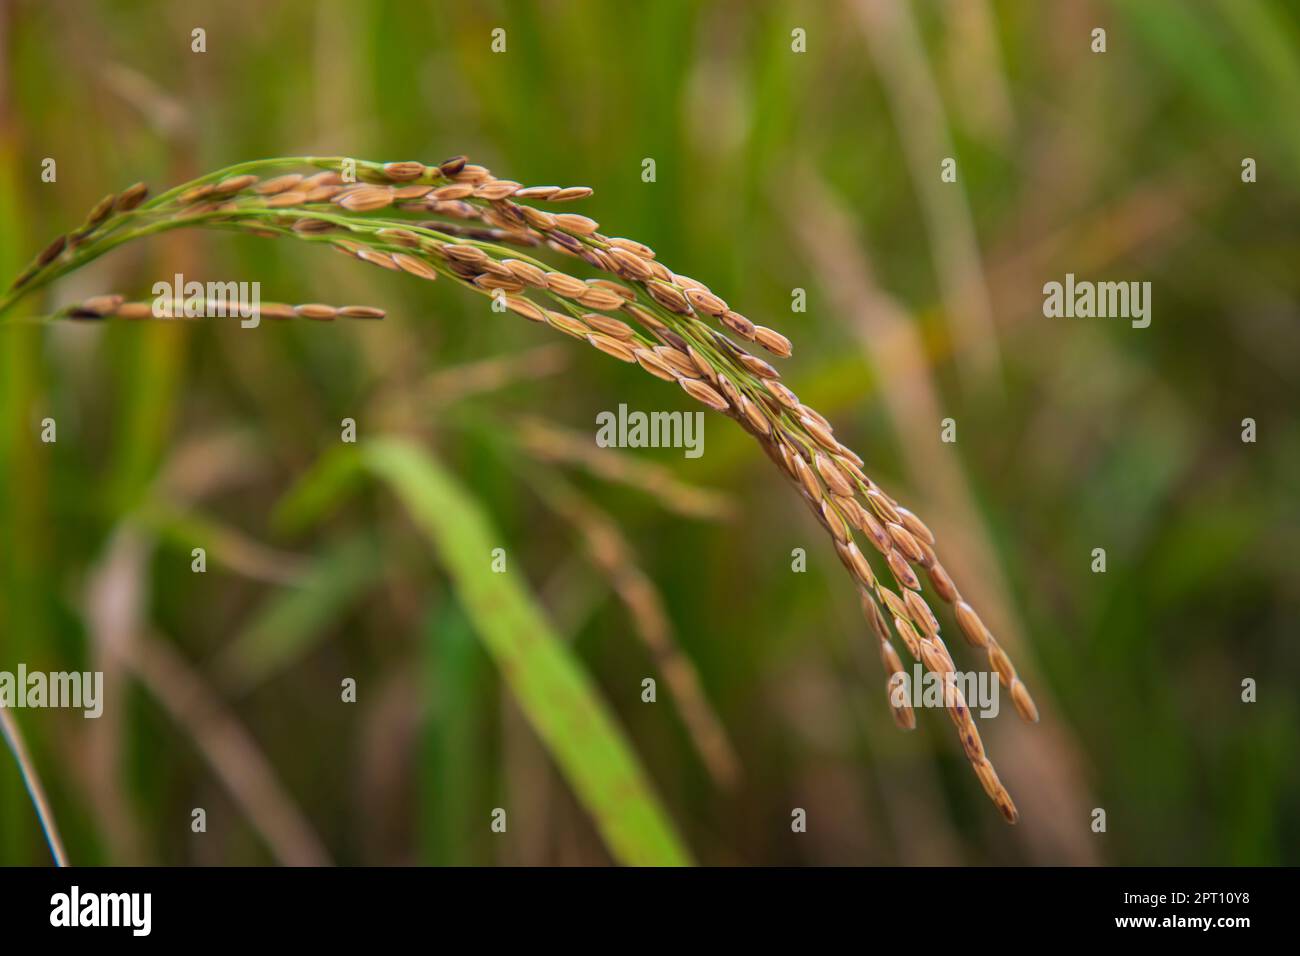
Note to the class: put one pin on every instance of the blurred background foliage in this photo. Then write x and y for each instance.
(775, 170)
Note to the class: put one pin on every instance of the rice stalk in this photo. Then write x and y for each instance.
(117, 307)
(456, 221)
(550, 443)
(613, 554)
(457, 382)
(31, 780)
(228, 748)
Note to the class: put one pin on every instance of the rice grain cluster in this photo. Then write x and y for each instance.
(458, 221)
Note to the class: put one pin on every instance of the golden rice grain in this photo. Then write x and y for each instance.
(904, 542)
(611, 346)
(773, 341)
(915, 525)
(411, 191)
(896, 689)
(856, 562)
(651, 363)
(702, 392)
(1024, 703)
(616, 328)
(921, 614)
(669, 296)
(284, 200)
(729, 391)
(322, 193)
(971, 625)
(1002, 664)
(233, 185)
(496, 189)
(988, 777)
(907, 633)
(416, 267)
(539, 220)
(454, 191)
(526, 307)
(316, 310)
(738, 324)
(660, 271)
(566, 324)
(377, 259)
(142, 310)
(832, 475)
(365, 198)
(570, 193)
(404, 172)
(752, 413)
(361, 312)
(705, 367)
(705, 301)
(597, 298)
(902, 571)
(471, 255)
(882, 506)
(573, 223)
(526, 272)
(620, 290)
(279, 184)
(403, 237)
(942, 584)
(103, 304)
(806, 478)
(566, 285)
(487, 280)
(631, 245)
(629, 263)
(679, 362)
(895, 604)
(197, 193)
(819, 432)
(471, 173)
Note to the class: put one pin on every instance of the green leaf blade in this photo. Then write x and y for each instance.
(552, 690)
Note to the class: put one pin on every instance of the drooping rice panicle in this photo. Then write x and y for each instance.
(457, 221)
